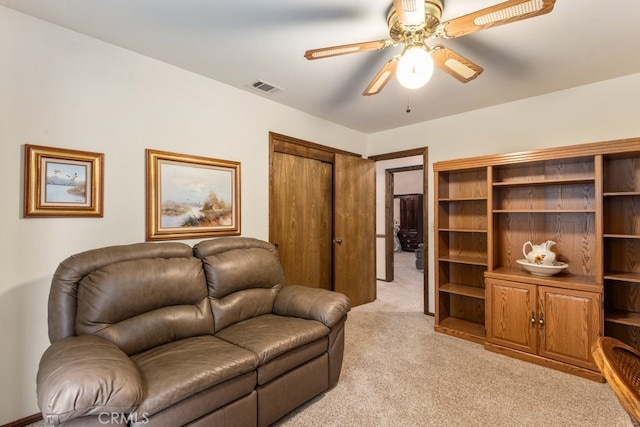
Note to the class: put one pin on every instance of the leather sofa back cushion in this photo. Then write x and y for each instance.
(242, 283)
(143, 303)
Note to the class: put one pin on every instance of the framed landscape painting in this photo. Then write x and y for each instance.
(62, 183)
(191, 196)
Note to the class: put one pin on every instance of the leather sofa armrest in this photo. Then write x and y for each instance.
(86, 375)
(311, 303)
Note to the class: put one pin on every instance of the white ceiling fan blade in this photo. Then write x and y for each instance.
(455, 64)
(383, 77)
(410, 12)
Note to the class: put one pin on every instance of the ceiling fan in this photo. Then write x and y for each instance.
(413, 22)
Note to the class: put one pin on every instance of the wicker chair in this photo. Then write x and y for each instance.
(620, 366)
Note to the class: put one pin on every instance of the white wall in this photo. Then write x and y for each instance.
(408, 182)
(59, 88)
(598, 112)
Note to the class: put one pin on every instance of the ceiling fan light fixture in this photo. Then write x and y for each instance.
(415, 67)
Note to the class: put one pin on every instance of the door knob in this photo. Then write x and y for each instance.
(533, 319)
(338, 241)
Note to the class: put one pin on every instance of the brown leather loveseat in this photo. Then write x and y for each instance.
(165, 334)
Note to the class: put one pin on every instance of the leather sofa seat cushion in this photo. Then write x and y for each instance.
(210, 401)
(177, 370)
(291, 360)
(271, 335)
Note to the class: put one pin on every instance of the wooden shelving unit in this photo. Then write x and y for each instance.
(461, 252)
(621, 206)
(586, 198)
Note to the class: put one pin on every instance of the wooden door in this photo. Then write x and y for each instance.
(511, 315)
(300, 218)
(571, 324)
(354, 249)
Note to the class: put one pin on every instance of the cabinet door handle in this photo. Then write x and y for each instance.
(533, 319)
(541, 321)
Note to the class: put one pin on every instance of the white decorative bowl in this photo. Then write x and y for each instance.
(542, 270)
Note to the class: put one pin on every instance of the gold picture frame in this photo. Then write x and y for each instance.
(61, 182)
(191, 196)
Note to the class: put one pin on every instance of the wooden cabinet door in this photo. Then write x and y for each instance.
(408, 213)
(511, 314)
(571, 324)
(410, 233)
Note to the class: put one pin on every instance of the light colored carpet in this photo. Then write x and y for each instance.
(405, 293)
(398, 372)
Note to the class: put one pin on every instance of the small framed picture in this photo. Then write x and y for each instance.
(191, 196)
(62, 183)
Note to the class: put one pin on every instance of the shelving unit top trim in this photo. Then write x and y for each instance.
(564, 181)
(553, 153)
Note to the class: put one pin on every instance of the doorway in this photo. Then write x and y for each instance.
(388, 165)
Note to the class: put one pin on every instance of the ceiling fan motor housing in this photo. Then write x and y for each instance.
(401, 33)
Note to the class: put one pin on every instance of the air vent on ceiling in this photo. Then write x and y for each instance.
(265, 87)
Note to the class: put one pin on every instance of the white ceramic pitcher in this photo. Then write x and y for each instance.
(540, 254)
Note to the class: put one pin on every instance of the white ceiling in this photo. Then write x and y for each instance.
(238, 42)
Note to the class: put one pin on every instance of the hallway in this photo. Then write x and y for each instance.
(405, 293)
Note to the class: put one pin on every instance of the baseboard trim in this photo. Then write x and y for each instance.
(23, 422)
